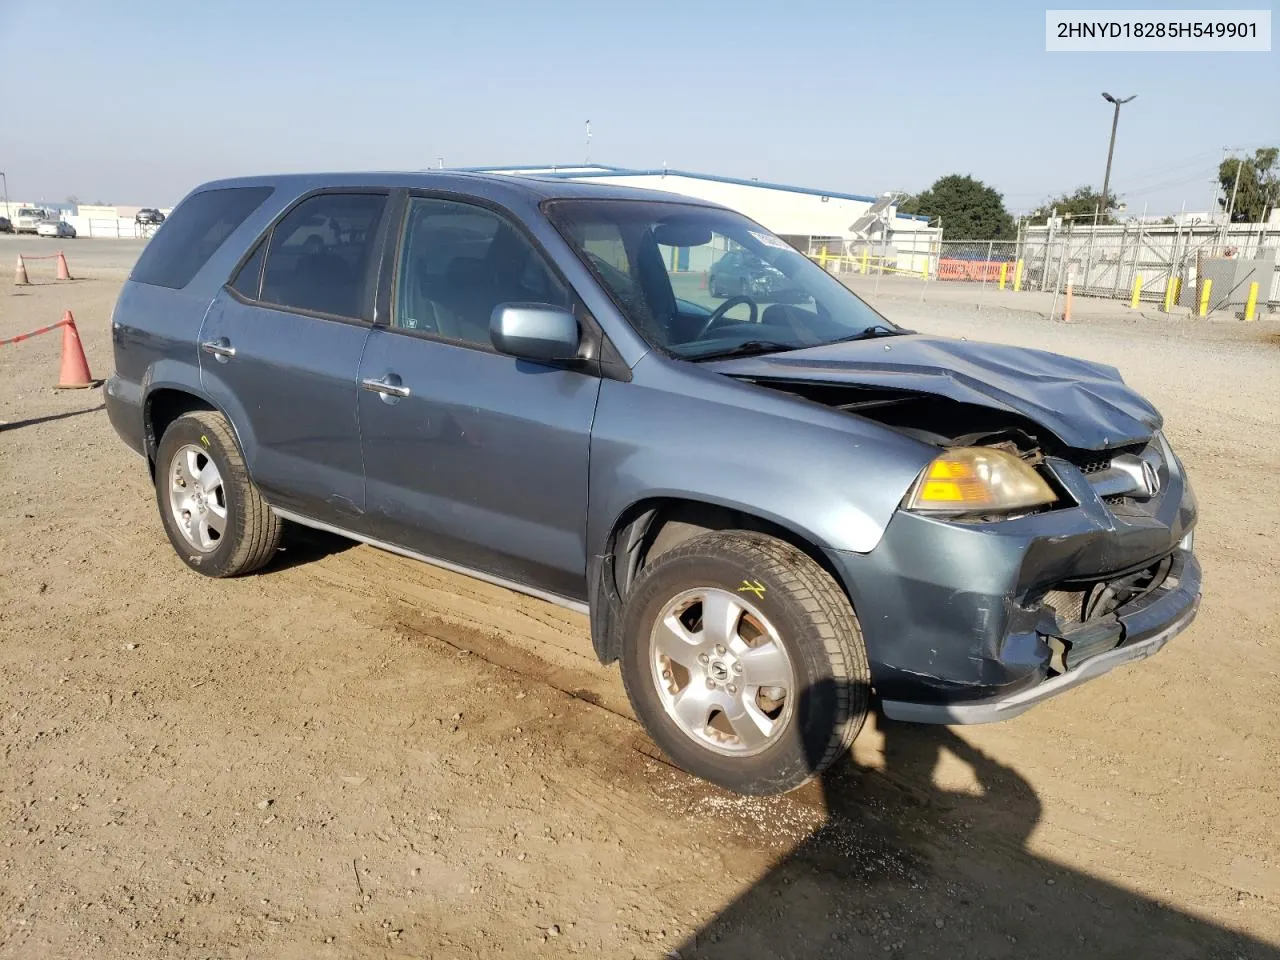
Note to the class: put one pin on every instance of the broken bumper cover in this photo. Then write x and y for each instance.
(957, 617)
(1148, 627)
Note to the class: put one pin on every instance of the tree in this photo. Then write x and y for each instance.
(1081, 205)
(968, 208)
(1259, 188)
(73, 200)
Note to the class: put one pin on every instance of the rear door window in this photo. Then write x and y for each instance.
(321, 255)
(193, 233)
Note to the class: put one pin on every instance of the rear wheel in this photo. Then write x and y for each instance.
(215, 517)
(744, 661)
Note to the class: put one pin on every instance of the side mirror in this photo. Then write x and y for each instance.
(534, 331)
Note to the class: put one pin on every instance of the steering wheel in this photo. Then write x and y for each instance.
(718, 313)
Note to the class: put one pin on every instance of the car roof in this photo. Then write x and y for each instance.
(486, 185)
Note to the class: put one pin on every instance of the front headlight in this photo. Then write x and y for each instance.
(978, 480)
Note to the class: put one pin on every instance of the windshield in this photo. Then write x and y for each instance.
(700, 282)
(30, 212)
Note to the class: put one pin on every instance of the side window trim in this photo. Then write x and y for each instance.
(374, 268)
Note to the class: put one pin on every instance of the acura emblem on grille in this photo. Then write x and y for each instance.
(1150, 478)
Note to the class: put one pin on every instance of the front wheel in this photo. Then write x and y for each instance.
(744, 661)
(215, 517)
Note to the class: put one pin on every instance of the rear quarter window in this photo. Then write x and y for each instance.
(193, 233)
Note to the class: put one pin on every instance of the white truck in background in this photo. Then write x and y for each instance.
(29, 218)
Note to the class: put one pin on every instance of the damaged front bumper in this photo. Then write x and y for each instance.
(1151, 623)
(967, 622)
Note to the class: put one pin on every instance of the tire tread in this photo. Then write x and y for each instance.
(829, 612)
(263, 530)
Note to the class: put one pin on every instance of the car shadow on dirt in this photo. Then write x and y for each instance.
(301, 545)
(901, 869)
(36, 421)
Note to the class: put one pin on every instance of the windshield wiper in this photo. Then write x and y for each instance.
(871, 332)
(749, 348)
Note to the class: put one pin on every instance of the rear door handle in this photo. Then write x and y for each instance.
(385, 388)
(220, 348)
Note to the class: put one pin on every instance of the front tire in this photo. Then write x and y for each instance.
(744, 661)
(213, 514)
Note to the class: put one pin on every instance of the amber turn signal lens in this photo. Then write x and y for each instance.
(978, 480)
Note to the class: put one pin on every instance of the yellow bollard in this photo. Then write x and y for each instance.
(864, 261)
(1204, 297)
(924, 271)
(1004, 273)
(1177, 290)
(1251, 305)
(1017, 276)
(1169, 289)
(1137, 292)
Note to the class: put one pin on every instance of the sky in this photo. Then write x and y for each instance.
(136, 101)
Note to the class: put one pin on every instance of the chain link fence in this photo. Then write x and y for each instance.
(1149, 263)
(1205, 267)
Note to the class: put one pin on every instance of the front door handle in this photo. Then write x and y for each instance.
(385, 388)
(220, 348)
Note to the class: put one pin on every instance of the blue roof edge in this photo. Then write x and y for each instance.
(556, 169)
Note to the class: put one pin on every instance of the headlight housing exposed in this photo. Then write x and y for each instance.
(978, 480)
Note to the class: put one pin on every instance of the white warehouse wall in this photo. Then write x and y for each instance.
(782, 211)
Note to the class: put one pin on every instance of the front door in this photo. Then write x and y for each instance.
(471, 456)
(280, 350)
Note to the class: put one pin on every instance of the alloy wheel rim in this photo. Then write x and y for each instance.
(197, 498)
(722, 672)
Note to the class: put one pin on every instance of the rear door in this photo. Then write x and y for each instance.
(280, 350)
(472, 456)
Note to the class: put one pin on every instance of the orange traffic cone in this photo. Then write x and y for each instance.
(75, 368)
(63, 272)
(20, 274)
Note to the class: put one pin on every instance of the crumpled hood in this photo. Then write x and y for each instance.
(1086, 405)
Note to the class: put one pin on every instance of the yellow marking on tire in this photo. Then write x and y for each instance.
(752, 586)
(204, 439)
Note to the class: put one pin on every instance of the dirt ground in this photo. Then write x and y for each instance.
(356, 755)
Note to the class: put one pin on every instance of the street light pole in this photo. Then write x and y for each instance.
(5, 181)
(1115, 121)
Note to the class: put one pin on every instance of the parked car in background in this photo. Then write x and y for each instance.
(29, 218)
(149, 216)
(55, 228)
(6, 225)
(740, 273)
(769, 511)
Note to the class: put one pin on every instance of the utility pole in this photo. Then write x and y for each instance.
(1236, 186)
(1115, 122)
(5, 180)
(588, 141)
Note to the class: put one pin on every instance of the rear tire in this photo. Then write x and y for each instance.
(213, 514)
(773, 696)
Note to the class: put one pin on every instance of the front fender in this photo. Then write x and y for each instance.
(831, 478)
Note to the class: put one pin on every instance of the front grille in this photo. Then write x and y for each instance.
(1095, 461)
